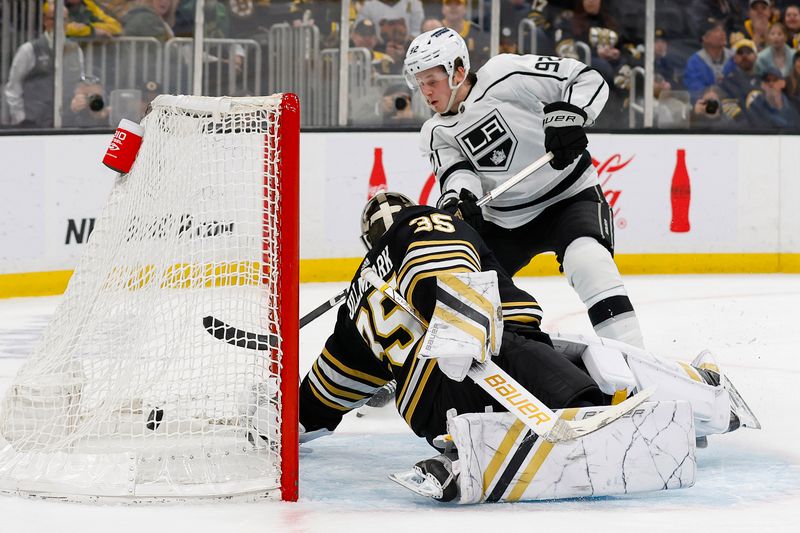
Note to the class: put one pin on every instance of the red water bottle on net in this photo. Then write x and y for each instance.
(680, 195)
(125, 144)
(377, 178)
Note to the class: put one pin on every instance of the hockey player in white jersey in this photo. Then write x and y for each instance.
(490, 125)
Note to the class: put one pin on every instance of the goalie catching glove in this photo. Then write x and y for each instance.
(563, 133)
(467, 322)
(463, 206)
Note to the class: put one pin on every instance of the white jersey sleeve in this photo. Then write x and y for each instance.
(560, 79)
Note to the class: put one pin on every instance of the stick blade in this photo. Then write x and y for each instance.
(569, 430)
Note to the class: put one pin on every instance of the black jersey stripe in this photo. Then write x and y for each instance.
(602, 83)
(461, 165)
(521, 73)
(583, 163)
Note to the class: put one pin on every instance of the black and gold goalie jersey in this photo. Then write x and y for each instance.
(375, 341)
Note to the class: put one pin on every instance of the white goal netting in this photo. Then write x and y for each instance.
(129, 394)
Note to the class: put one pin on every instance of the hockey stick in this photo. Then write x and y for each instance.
(324, 308)
(516, 178)
(513, 396)
(256, 341)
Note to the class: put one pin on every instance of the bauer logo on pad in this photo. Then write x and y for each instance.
(489, 143)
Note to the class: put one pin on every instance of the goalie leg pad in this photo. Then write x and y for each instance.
(500, 460)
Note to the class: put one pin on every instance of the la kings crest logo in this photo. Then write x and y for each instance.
(489, 143)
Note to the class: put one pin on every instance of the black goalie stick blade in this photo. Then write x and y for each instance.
(239, 337)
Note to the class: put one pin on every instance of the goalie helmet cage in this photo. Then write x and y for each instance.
(127, 397)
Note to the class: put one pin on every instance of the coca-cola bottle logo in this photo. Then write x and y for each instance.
(605, 173)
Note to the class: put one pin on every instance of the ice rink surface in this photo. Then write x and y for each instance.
(746, 481)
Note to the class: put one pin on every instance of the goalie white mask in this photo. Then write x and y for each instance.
(436, 48)
(379, 214)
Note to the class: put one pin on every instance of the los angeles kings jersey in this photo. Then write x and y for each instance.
(498, 131)
(375, 341)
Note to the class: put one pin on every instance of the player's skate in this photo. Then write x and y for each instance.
(435, 478)
(383, 397)
(741, 414)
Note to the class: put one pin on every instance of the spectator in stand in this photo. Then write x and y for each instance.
(396, 106)
(704, 67)
(150, 90)
(778, 54)
(430, 24)
(793, 83)
(757, 25)
(365, 35)
(791, 19)
(87, 19)
(151, 18)
(669, 112)
(394, 35)
(666, 64)
(89, 106)
(741, 79)
(454, 13)
(29, 91)
(592, 24)
(217, 23)
(378, 10)
(729, 12)
(707, 112)
(771, 108)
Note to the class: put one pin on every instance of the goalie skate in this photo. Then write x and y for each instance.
(433, 478)
(741, 414)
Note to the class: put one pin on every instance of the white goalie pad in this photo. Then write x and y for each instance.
(673, 380)
(467, 322)
(501, 461)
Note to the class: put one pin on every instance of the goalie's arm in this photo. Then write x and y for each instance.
(343, 377)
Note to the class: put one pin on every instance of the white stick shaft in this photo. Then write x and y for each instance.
(519, 176)
(513, 396)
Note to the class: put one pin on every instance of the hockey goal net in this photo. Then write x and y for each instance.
(169, 370)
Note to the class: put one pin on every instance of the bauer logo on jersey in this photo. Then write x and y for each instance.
(489, 143)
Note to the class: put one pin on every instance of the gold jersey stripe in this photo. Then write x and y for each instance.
(379, 382)
(466, 244)
(536, 461)
(521, 318)
(333, 389)
(326, 401)
(418, 392)
(425, 259)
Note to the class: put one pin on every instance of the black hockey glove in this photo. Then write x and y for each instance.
(563, 133)
(465, 207)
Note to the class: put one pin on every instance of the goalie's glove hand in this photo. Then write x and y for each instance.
(563, 133)
(465, 207)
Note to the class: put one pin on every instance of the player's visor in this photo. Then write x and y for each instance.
(425, 78)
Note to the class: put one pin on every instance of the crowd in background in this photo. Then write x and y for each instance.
(719, 64)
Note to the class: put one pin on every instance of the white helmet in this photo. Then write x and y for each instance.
(439, 47)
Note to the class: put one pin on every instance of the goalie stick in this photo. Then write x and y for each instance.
(257, 341)
(504, 388)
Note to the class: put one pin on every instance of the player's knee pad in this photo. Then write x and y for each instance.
(591, 271)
